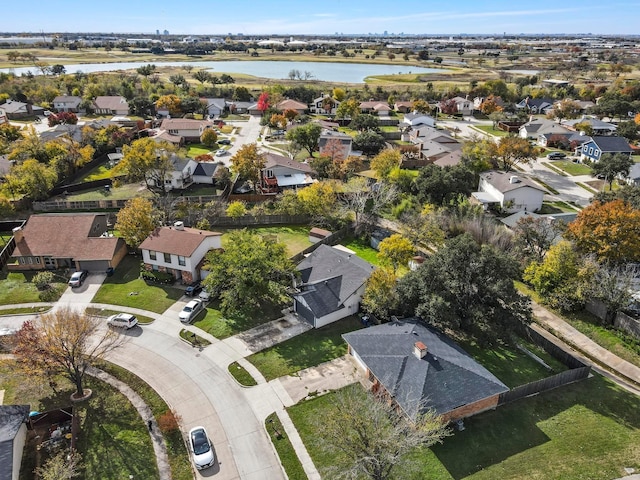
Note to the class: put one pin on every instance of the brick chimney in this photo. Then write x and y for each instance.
(18, 234)
(419, 350)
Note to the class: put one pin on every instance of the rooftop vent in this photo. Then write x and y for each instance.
(178, 225)
(514, 179)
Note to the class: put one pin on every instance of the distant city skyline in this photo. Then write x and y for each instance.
(297, 17)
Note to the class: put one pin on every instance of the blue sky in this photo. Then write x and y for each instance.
(253, 17)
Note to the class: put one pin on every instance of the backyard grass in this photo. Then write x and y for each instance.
(221, 327)
(586, 430)
(295, 237)
(286, 452)
(114, 441)
(16, 287)
(104, 312)
(306, 350)
(99, 173)
(127, 289)
(241, 375)
(362, 249)
(122, 192)
(571, 168)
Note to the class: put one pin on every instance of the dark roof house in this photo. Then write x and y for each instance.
(420, 368)
(331, 285)
(13, 433)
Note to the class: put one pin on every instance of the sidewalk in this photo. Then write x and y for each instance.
(584, 344)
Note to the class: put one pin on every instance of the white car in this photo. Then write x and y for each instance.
(122, 320)
(200, 445)
(221, 153)
(191, 310)
(204, 295)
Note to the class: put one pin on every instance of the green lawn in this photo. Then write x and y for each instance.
(220, 327)
(195, 149)
(122, 192)
(586, 430)
(114, 441)
(557, 207)
(127, 289)
(571, 168)
(362, 249)
(491, 131)
(99, 173)
(286, 452)
(307, 350)
(296, 237)
(241, 375)
(16, 287)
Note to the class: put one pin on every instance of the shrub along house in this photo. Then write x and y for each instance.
(419, 368)
(64, 240)
(178, 250)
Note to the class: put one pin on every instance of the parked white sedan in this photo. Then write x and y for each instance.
(200, 445)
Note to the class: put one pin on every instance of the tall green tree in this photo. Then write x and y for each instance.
(610, 166)
(251, 272)
(32, 178)
(469, 288)
(307, 136)
(136, 220)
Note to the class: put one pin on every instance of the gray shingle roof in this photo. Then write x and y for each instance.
(207, 169)
(11, 418)
(445, 379)
(502, 181)
(330, 276)
(612, 144)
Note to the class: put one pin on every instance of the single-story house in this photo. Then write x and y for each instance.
(215, 106)
(535, 128)
(242, 107)
(66, 240)
(634, 175)
(318, 105)
(282, 172)
(594, 148)
(13, 436)
(403, 106)
(331, 285)
(535, 105)
(187, 128)
(178, 250)
(511, 192)
(566, 141)
(15, 110)
(419, 368)
(377, 107)
(67, 103)
(289, 104)
(418, 119)
(111, 105)
(598, 127)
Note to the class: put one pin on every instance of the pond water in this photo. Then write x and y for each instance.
(325, 71)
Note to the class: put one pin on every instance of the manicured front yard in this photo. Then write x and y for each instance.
(221, 327)
(195, 149)
(572, 168)
(127, 289)
(307, 350)
(491, 131)
(586, 430)
(16, 287)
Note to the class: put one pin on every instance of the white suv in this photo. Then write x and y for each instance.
(191, 310)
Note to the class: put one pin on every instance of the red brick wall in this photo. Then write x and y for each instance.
(472, 408)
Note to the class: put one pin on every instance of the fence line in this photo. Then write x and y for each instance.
(332, 239)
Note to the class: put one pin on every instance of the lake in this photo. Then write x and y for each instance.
(324, 71)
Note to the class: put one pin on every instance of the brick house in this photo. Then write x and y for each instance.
(63, 240)
(419, 368)
(178, 250)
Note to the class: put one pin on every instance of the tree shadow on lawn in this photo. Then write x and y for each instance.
(493, 437)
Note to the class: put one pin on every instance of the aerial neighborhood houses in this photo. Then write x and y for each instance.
(508, 190)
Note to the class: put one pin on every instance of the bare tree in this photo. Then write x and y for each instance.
(372, 437)
(64, 341)
(365, 201)
(613, 286)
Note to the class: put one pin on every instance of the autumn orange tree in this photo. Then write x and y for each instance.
(65, 341)
(248, 162)
(513, 150)
(608, 230)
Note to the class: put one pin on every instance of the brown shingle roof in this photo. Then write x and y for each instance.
(65, 236)
(178, 242)
(183, 124)
(291, 104)
(111, 102)
(273, 160)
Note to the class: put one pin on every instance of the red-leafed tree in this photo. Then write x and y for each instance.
(263, 102)
(63, 118)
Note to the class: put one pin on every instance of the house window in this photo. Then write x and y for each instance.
(30, 260)
(173, 132)
(152, 255)
(154, 268)
(167, 258)
(270, 174)
(596, 153)
(590, 150)
(38, 260)
(22, 261)
(182, 261)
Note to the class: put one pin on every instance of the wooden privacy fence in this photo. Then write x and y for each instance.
(332, 239)
(577, 369)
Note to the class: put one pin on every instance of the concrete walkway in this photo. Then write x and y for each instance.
(584, 344)
(157, 440)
